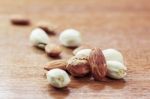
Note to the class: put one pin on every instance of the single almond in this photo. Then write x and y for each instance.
(47, 27)
(78, 67)
(19, 20)
(97, 64)
(61, 64)
(53, 50)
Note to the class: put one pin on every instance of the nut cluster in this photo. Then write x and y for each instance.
(86, 60)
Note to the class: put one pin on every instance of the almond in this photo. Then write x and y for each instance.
(78, 67)
(19, 20)
(47, 27)
(97, 64)
(61, 64)
(53, 50)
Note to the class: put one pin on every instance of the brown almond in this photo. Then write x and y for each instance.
(19, 20)
(61, 64)
(78, 67)
(47, 27)
(97, 64)
(53, 50)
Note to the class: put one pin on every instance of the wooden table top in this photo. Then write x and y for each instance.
(119, 24)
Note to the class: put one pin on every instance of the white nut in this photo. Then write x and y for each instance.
(116, 70)
(39, 38)
(84, 53)
(70, 38)
(113, 55)
(58, 78)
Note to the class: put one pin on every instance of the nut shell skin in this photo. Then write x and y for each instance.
(78, 67)
(97, 64)
(116, 70)
(58, 78)
(70, 38)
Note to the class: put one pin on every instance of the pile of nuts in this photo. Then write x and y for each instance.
(86, 60)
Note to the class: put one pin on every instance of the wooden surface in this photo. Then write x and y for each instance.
(119, 24)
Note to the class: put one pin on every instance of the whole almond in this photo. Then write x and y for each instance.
(61, 64)
(97, 64)
(78, 67)
(53, 50)
(49, 28)
(19, 20)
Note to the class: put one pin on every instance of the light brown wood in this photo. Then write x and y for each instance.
(119, 24)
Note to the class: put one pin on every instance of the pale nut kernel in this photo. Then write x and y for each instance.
(70, 38)
(39, 38)
(58, 78)
(97, 64)
(83, 54)
(116, 70)
(53, 50)
(113, 55)
(81, 48)
(77, 67)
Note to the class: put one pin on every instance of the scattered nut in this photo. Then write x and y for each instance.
(70, 38)
(58, 78)
(84, 53)
(97, 64)
(39, 38)
(47, 27)
(19, 20)
(77, 67)
(113, 55)
(61, 64)
(81, 48)
(116, 70)
(53, 50)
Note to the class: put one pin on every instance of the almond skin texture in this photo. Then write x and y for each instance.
(53, 50)
(78, 67)
(61, 64)
(97, 64)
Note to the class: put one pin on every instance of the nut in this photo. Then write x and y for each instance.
(116, 70)
(39, 38)
(70, 38)
(19, 20)
(97, 64)
(77, 67)
(81, 48)
(53, 50)
(61, 64)
(47, 27)
(58, 78)
(113, 55)
(84, 53)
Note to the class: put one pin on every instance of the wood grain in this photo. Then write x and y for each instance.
(119, 24)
